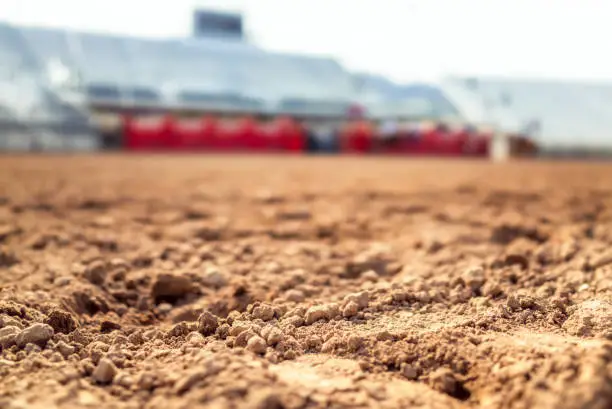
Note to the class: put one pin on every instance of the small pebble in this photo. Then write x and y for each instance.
(213, 277)
(361, 299)
(105, 371)
(355, 342)
(164, 307)
(370, 275)
(273, 336)
(294, 295)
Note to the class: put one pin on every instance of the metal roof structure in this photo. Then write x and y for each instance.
(177, 72)
(385, 98)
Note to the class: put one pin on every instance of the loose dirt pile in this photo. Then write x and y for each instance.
(182, 282)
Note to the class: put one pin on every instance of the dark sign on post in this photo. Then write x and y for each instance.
(217, 24)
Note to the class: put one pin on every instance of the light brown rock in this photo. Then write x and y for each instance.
(105, 371)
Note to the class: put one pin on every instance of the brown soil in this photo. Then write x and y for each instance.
(239, 282)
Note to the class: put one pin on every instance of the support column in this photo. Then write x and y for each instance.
(500, 147)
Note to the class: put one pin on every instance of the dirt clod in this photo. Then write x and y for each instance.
(207, 323)
(350, 309)
(8, 336)
(408, 371)
(37, 334)
(263, 312)
(171, 288)
(444, 380)
(61, 321)
(256, 344)
(96, 272)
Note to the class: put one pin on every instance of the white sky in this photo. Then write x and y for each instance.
(407, 40)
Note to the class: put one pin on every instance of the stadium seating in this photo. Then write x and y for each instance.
(385, 98)
(50, 45)
(220, 101)
(304, 106)
(142, 72)
(567, 113)
(104, 62)
(16, 141)
(103, 92)
(9, 53)
(14, 55)
(128, 74)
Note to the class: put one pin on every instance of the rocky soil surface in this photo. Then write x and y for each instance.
(238, 282)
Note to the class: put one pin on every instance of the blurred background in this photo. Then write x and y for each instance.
(407, 77)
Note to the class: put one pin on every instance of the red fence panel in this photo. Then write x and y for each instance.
(250, 136)
(187, 133)
(228, 135)
(150, 132)
(483, 143)
(291, 135)
(284, 134)
(409, 139)
(455, 142)
(357, 137)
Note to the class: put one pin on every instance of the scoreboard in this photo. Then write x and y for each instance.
(208, 23)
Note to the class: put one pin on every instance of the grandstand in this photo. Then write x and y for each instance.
(385, 98)
(66, 86)
(183, 73)
(564, 116)
(60, 76)
(28, 106)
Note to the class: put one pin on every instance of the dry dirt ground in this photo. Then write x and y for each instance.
(239, 282)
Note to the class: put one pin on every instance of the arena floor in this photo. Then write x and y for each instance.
(197, 281)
